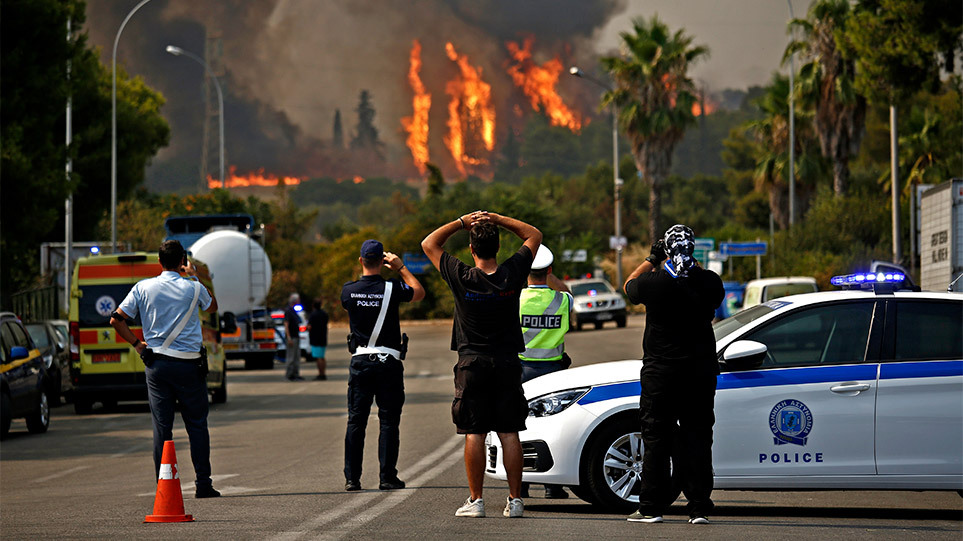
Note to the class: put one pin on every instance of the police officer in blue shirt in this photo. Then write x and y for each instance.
(376, 372)
(172, 351)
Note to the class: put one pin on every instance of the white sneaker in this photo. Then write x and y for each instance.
(475, 509)
(698, 520)
(514, 508)
(648, 519)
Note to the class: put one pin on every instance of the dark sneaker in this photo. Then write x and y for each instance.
(206, 492)
(391, 485)
(322, 377)
(555, 492)
(352, 486)
(648, 519)
(698, 520)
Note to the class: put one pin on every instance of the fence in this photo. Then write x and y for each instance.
(37, 304)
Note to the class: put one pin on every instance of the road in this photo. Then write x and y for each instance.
(278, 455)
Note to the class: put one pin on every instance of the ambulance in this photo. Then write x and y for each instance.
(103, 366)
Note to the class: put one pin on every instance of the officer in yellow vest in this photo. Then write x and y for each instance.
(544, 308)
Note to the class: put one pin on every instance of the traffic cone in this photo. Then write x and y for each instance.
(168, 503)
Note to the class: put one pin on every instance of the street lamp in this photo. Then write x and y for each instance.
(576, 71)
(177, 51)
(113, 130)
(792, 128)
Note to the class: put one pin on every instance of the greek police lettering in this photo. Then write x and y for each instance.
(542, 322)
(370, 304)
(790, 458)
(790, 422)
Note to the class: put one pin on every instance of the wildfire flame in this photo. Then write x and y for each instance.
(417, 124)
(709, 108)
(470, 113)
(538, 84)
(257, 178)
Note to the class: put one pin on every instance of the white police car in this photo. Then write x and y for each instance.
(833, 390)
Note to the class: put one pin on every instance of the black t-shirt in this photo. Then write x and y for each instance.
(678, 315)
(486, 305)
(292, 323)
(318, 334)
(362, 300)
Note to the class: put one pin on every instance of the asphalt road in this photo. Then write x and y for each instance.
(278, 456)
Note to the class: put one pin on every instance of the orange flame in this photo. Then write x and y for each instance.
(470, 112)
(357, 179)
(257, 178)
(417, 124)
(538, 83)
(709, 108)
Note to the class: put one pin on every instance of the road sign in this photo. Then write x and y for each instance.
(742, 248)
(577, 256)
(416, 263)
(617, 242)
(703, 245)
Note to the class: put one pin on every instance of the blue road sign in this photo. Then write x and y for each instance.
(416, 263)
(742, 248)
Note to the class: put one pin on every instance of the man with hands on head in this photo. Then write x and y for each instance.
(488, 338)
(377, 348)
(173, 353)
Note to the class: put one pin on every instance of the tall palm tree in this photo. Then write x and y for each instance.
(826, 86)
(654, 96)
(770, 136)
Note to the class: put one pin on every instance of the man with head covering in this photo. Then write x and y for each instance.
(678, 374)
(376, 372)
(544, 308)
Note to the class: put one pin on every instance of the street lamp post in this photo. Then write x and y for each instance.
(177, 51)
(617, 182)
(792, 129)
(113, 129)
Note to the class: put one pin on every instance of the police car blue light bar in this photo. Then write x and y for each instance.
(298, 308)
(867, 278)
(95, 250)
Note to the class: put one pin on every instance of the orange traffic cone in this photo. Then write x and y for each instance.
(168, 503)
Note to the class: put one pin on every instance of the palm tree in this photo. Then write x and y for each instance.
(655, 96)
(826, 86)
(770, 136)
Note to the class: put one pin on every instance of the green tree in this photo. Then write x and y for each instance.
(826, 85)
(654, 95)
(366, 135)
(34, 53)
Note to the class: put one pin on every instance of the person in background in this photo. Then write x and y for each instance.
(292, 326)
(678, 375)
(544, 313)
(377, 348)
(488, 339)
(318, 337)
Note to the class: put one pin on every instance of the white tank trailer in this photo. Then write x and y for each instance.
(241, 274)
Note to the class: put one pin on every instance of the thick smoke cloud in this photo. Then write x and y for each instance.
(290, 64)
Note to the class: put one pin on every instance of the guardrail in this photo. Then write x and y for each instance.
(37, 304)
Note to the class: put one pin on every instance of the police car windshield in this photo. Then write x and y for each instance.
(730, 324)
(588, 288)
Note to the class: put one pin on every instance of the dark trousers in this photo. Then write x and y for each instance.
(676, 398)
(371, 379)
(174, 380)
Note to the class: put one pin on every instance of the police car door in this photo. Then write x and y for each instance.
(808, 410)
(919, 412)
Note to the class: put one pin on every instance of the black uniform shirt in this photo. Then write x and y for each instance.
(318, 334)
(678, 315)
(486, 305)
(362, 300)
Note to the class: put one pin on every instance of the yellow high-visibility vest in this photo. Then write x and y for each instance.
(544, 317)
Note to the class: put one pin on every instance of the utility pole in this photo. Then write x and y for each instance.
(211, 152)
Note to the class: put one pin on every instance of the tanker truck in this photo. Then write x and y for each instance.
(241, 273)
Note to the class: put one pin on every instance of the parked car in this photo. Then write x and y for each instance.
(596, 302)
(767, 289)
(54, 349)
(835, 390)
(22, 392)
(281, 333)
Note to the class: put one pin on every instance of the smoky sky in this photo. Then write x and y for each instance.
(288, 65)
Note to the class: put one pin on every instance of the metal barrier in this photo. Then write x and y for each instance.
(37, 304)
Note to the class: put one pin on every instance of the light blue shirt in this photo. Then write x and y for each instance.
(161, 302)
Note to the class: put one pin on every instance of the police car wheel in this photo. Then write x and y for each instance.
(620, 322)
(5, 415)
(38, 420)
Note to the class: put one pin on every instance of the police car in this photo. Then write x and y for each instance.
(856, 389)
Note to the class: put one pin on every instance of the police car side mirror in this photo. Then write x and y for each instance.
(18, 352)
(744, 355)
(228, 323)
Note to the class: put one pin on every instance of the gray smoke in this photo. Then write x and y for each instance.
(290, 64)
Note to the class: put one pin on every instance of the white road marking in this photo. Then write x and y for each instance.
(60, 474)
(431, 465)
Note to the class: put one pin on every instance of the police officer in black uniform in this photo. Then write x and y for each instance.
(376, 371)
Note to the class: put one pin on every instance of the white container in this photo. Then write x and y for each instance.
(239, 267)
(941, 236)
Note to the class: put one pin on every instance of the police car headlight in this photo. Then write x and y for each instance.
(551, 404)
